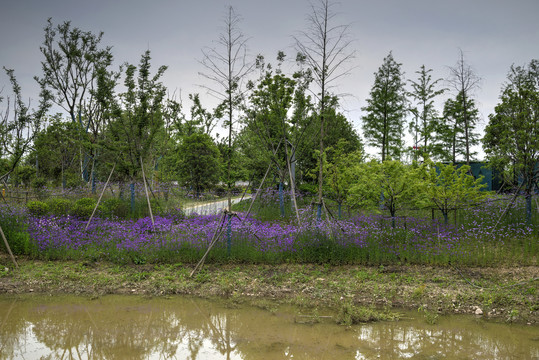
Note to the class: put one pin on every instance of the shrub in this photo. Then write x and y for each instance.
(59, 206)
(114, 208)
(72, 181)
(83, 208)
(37, 208)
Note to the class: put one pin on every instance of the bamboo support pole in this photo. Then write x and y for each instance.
(262, 182)
(8, 248)
(292, 184)
(100, 196)
(219, 229)
(508, 205)
(146, 190)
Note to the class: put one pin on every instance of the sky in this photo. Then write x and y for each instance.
(492, 34)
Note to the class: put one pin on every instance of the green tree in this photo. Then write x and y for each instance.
(426, 118)
(338, 177)
(341, 129)
(386, 110)
(267, 117)
(20, 125)
(72, 60)
(464, 81)
(454, 135)
(133, 132)
(56, 151)
(198, 162)
(75, 72)
(449, 188)
(391, 184)
(511, 139)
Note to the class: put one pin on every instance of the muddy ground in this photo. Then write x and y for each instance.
(508, 294)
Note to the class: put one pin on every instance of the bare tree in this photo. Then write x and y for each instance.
(324, 47)
(464, 80)
(227, 67)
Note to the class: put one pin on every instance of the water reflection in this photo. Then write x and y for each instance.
(118, 327)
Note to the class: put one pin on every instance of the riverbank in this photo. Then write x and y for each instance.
(504, 294)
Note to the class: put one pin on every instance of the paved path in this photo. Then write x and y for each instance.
(212, 208)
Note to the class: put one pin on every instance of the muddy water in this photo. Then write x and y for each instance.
(116, 327)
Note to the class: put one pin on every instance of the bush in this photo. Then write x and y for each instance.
(114, 208)
(37, 208)
(73, 180)
(59, 206)
(83, 208)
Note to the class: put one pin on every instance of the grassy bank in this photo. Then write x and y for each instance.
(504, 294)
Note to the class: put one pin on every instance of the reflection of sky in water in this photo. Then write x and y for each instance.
(135, 328)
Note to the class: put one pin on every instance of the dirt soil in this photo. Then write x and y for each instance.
(503, 294)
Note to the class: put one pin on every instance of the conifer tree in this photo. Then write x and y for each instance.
(386, 110)
(455, 134)
(426, 118)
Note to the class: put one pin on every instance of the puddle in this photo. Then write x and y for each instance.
(129, 327)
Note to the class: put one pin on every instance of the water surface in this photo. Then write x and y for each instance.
(129, 327)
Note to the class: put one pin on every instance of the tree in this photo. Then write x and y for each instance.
(227, 68)
(453, 137)
(198, 162)
(449, 188)
(386, 110)
(267, 117)
(19, 127)
(325, 49)
(425, 115)
(464, 81)
(133, 131)
(72, 61)
(74, 66)
(341, 130)
(390, 183)
(338, 175)
(56, 152)
(511, 139)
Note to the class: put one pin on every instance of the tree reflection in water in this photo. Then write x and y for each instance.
(115, 327)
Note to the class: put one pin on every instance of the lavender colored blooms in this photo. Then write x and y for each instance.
(358, 239)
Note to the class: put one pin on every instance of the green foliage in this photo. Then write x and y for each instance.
(56, 151)
(426, 119)
(391, 184)
(114, 207)
(511, 135)
(456, 134)
(83, 208)
(349, 314)
(37, 208)
(448, 187)
(134, 129)
(337, 175)
(198, 162)
(59, 206)
(386, 110)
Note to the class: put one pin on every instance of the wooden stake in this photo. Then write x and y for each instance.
(508, 205)
(292, 184)
(8, 248)
(100, 196)
(212, 242)
(146, 190)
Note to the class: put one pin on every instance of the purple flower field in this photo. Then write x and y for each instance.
(360, 239)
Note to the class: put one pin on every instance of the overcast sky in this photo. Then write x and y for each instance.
(493, 34)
